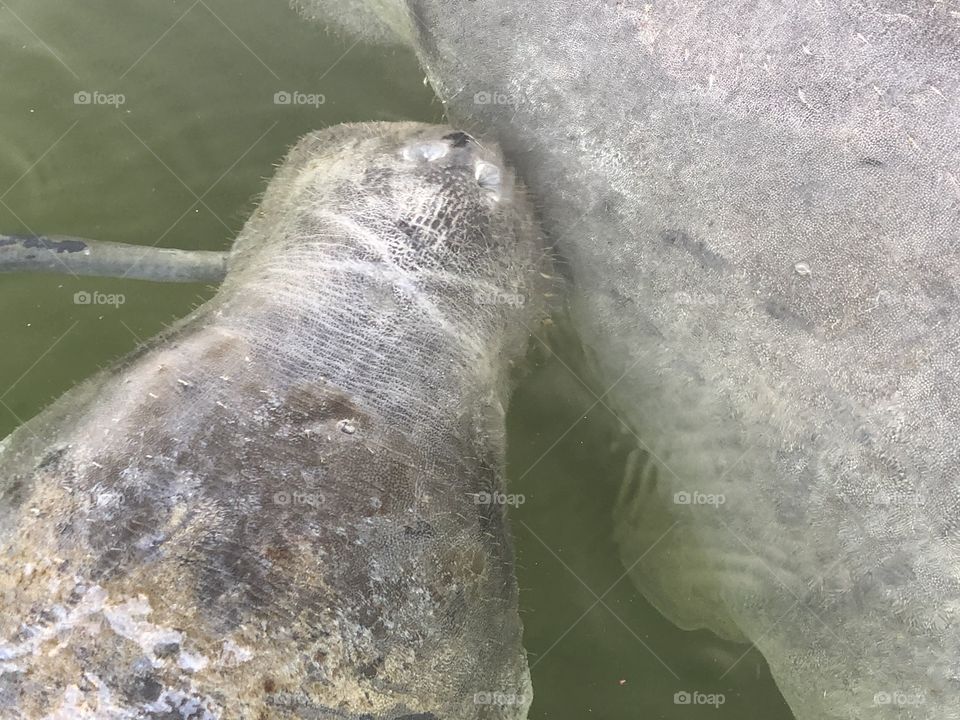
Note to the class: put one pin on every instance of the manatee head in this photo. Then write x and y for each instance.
(420, 230)
(413, 197)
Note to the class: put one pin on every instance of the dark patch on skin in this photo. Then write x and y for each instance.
(118, 533)
(12, 495)
(180, 713)
(459, 139)
(51, 459)
(143, 688)
(168, 715)
(232, 577)
(422, 529)
(76, 595)
(304, 406)
(22, 635)
(871, 162)
(45, 617)
(370, 670)
(697, 248)
(414, 233)
(166, 650)
(781, 310)
(240, 566)
(44, 243)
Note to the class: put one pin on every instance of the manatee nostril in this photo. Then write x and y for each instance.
(488, 175)
(458, 139)
(428, 151)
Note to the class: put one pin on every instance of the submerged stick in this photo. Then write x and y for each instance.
(79, 256)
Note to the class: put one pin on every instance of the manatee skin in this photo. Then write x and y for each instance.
(273, 510)
(760, 204)
(380, 22)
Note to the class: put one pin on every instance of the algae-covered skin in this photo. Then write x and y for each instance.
(281, 508)
(760, 205)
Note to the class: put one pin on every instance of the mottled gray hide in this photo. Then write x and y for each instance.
(760, 203)
(277, 510)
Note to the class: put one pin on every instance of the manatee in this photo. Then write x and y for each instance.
(286, 506)
(760, 206)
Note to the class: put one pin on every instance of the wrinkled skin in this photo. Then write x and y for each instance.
(274, 510)
(760, 204)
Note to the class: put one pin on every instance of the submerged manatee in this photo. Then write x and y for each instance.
(760, 203)
(279, 508)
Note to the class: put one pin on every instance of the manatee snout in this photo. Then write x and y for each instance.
(459, 150)
(410, 197)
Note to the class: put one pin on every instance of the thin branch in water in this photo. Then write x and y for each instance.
(79, 256)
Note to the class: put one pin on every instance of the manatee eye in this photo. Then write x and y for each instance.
(428, 151)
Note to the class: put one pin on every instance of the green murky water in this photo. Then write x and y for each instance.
(179, 163)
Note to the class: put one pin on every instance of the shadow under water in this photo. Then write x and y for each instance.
(596, 647)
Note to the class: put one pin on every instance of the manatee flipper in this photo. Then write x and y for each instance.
(644, 517)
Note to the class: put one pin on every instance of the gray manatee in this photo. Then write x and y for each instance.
(760, 205)
(288, 506)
